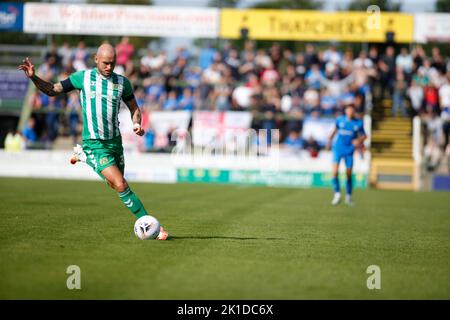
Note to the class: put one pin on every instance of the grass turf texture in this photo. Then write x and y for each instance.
(230, 242)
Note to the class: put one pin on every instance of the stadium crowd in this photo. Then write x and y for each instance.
(281, 87)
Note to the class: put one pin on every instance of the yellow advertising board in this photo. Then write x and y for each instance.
(306, 25)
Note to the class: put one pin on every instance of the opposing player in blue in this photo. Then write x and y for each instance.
(350, 136)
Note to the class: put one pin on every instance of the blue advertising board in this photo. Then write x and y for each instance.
(11, 16)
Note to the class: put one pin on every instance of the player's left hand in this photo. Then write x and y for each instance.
(138, 129)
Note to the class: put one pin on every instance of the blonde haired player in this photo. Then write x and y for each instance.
(101, 92)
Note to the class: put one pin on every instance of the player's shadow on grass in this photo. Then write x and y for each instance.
(221, 237)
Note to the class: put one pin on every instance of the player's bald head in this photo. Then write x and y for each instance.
(105, 59)
(106, 50)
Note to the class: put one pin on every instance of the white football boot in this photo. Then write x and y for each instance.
(348, 201)
(336, 199)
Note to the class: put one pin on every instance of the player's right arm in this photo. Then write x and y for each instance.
(50, 89)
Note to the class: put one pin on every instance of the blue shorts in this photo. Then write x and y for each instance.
(348, 159)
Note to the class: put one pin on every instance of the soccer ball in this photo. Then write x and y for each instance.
(146, 227)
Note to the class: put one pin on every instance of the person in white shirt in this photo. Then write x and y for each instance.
(405, 61)
(415, 94)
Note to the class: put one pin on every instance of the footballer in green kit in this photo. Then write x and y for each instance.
(101, 93)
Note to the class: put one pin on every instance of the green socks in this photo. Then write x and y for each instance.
(132, 202)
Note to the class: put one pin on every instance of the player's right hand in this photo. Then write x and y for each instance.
(328, 146)
(27, 67)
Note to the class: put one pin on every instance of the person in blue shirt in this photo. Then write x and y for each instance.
(350, 134)
(29, 133)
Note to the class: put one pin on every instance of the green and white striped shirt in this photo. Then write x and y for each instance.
(100, 101)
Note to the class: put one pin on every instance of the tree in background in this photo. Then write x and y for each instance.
(290, 4)
(385, 5)
(442, 6)
(223, 3)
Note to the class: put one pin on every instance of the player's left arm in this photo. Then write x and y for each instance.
(136, 116)
(130, 101)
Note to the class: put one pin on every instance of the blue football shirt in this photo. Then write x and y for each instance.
(347, 131)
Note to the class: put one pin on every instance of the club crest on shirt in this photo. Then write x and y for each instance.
(103, 161)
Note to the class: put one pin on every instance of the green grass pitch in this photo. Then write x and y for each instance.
(230, 242)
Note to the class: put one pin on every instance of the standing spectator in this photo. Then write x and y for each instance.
(248, 65)
(66, 54)
(124, 52)
(80, 57)
(332, 55)
(438, 61)
(444, 96)
(405, 62)
(206, 56)
(270, 76)
(310, 56)
(363, 61)
(233, 62)
(53, 59)
(431, 95)
(415, 94)
(387, 72)
(74, 115)
(399, 94)
(52, 119)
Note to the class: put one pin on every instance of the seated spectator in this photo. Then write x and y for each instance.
(312, 146)
(170, 102)
(29, 134)
(293, 141)
(328, 103)
(186, 101)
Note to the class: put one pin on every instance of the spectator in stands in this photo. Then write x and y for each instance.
(80, 57)
(415, 94)
(53, 59)
(312, 146)
(311, 56)
(186, 101)
(14, 141)
(293, 141)
(66, 54)
(438, 61)
(404, 62)
(29, 134)
(314, 76)
(170, 102)
(206, 56)
(124, 52)
(74, 116)
(399, 96)
(332, 55)
(387, 72)
(444, 98)
(431, 95)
